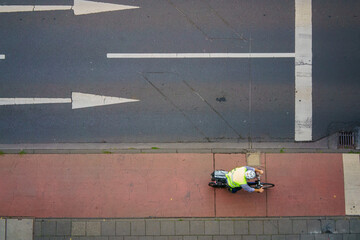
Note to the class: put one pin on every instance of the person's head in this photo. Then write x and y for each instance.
(250, 174)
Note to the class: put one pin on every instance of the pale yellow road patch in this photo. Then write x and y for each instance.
(351, 164)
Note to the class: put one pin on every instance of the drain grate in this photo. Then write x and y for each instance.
(346, 140)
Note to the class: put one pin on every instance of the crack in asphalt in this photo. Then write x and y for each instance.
(240, 37)
(189, 19)
(226, 23)
(212, 108)
(174, 105)
(199, 96)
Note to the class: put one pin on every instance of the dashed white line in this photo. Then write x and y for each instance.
(2, 56)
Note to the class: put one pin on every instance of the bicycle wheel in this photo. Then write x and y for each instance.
(216, 185)
(267, 185)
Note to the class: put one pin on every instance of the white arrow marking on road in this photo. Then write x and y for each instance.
(200, 55)
(2, 56)
(84, 100)
(80, 7)
(78, 100)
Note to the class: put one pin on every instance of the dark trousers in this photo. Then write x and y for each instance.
(234, 190)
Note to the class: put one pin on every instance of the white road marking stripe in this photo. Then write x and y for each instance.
(303, 70)
(351, 164)
(2, 56)
(200, 55)
(51, 8)
(21, 101)
(17, 8)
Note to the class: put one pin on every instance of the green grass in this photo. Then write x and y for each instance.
(354, 152)
(106, 152)
(155, 148)
(1, 153)
(22, 152)
(282, 150)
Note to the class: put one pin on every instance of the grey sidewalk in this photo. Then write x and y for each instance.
(294, 228)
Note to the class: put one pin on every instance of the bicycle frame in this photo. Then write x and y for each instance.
(257, 183)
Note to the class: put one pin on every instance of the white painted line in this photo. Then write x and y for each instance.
(16, 8)
(303, 70)
(351, 164)
(200, 55)
(22, 101)
(2, 56)
(80, 7)
(78, 100)
(51, 8)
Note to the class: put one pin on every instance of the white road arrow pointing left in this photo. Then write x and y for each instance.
(78, 100)
(80, 7)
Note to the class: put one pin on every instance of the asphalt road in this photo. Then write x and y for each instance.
(51, 54)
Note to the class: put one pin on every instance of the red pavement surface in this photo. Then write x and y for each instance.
(306, 184)
(165, 185)
(241, 203)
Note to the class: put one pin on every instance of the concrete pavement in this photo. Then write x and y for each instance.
(299, 228)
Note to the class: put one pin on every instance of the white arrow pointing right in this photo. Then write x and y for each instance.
(78, 100)
(85, 100)
(80, 7)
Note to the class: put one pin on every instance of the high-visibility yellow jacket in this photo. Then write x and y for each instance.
(236, 177)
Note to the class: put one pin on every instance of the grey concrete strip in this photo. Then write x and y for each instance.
(351, 164)
(2, 229)
(19, 229)
(325, 145)
(207, 228)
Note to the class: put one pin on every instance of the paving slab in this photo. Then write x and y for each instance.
(241, 203)
(2, 229)
(305, 185)
(352, 183)
(216, 228)
(19, 229)
(106, 185)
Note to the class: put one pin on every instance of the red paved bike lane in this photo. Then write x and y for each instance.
(241, 203)
(306, 184)
(165, 185)
(106, 186)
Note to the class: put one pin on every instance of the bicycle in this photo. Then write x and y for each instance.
(219, 180)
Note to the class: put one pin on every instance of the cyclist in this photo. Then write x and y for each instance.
(238, 177)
